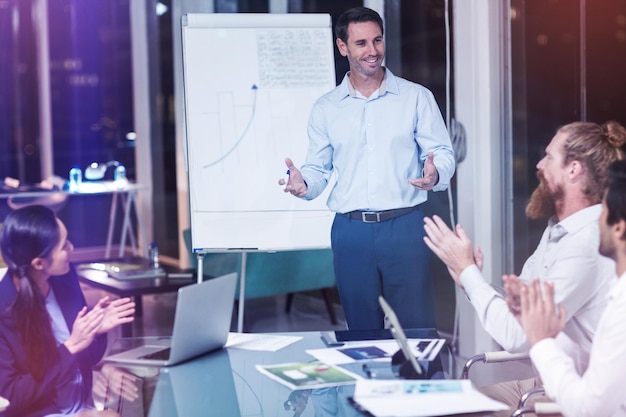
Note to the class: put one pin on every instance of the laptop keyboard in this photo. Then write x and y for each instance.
(159, 355)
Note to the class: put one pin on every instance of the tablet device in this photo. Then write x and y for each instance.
(398, 334)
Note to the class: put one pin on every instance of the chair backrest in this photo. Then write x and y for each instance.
(272, 273)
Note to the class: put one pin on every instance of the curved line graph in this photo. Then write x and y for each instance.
(243, 134)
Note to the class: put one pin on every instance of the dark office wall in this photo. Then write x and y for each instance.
(550, 69)
(19, 112)
(7, 145)
(606, 60)
(91, 101)
(91, 98)
(91, 83)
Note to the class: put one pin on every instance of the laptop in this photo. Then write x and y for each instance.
(201, 324)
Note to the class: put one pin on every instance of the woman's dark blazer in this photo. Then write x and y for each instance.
(28, 396)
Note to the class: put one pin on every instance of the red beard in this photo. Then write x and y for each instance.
(542, 203)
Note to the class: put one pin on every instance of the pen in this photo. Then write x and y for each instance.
(286, 179)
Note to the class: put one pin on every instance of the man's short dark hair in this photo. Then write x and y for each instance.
(356, 15)
(615, 196)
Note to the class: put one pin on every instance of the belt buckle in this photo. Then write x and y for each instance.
(376, 215)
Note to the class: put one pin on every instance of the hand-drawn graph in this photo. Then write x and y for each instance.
(222, 154)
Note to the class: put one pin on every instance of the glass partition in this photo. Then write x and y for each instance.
(568, 60)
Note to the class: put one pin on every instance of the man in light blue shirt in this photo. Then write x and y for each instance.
(386, 141)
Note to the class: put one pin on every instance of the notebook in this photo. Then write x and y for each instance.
(201, 324)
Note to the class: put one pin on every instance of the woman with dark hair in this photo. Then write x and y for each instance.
(49, 340)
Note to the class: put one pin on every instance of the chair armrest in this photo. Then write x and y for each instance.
(539, 409)
(547, 408)
(504, 356)
(491, 357)
(529, 394)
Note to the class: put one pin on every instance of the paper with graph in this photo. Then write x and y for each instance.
(250, 83)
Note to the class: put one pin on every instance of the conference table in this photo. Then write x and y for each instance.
(226, 382)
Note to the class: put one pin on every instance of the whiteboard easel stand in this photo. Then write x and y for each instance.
(242, 290)
(242, 285)
(200, 257)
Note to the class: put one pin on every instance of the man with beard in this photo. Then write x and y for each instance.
(600, 390)
(572, 175)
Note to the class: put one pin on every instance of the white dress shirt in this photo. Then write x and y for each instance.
(375, 144)
(601, 390)
(568, 256)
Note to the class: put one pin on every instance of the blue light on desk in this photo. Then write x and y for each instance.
(119, 176)
(75, 179)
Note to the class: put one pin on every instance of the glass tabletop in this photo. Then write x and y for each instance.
(227, 383)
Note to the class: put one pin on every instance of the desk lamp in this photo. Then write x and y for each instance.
(96, 171)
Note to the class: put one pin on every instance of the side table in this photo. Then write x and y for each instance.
(125, 196)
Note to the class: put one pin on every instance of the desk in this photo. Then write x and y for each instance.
(136, 288)
(126, 195)
(226, 383)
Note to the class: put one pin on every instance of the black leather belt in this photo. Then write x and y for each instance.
(379, 216)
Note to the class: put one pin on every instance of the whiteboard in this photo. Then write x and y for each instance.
(250, 82)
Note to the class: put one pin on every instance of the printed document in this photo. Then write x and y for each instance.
(416, 398)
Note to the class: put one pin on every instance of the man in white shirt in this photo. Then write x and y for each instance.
(600, 390)
(572, 175)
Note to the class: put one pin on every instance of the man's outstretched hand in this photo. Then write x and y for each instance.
(295, 184)
(430, 175)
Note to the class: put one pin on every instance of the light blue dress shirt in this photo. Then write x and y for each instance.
(375, 145)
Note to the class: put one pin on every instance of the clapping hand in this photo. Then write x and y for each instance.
(116, 312)
(513, 287)
(84, 330)
(454, 248)
(430, 175)
(112, 380)
(478, 260)
(540, 317)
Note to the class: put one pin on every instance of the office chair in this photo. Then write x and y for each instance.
(491, 357)
(547, 408)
